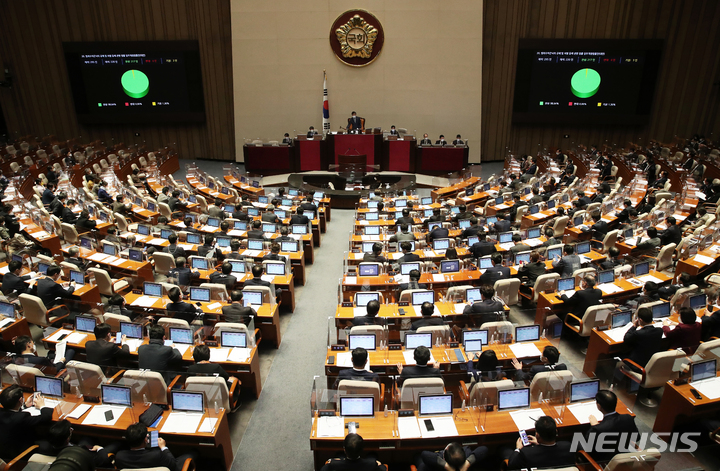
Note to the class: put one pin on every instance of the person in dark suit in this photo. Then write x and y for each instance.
(519, 246)
(59, 436)
(661, 180)
(533, 269)
(299, 218)
(463, 213)
(427, 310)
(408, 254)
(84, 221)
(173, 249)
(685, 335)
(354, 123)
(286, 139)
(474, 229)
(370, 318)
(239, 214)
(610, 428)
(155, 355)
(308, 205)
(425, 140)
(458, 141)
(375, 255)
(235, 311)
(454, 457)
(544, 450)
(269, 215)
(413, 283)
(48, 196)
(58, 204)
(487, 308)
(599, 228)
(421, 368)
(203, 367)
(74, 258)
(438, 232)
(18, 429)
(358, 371)
(103, 351)
(66, 214)
(623, 216)
(673, 233)
(436, 216)
(643, 339)
(275, 254)
(311, 132)
(549, 359)
(256, 231)
(503, 224)
(393, 131)
(50, 291)
(588, 296)
(405, 219)
(496, 272)
(441, 141)
(224, 277)
(180, 308)
(181, 273)
(256, 280)
(13, 282)
(353, 447)
(175, 203)
(567, 265)
(711, 324)
(189, 226)
(139, 455)
(482, 247)
(27, 354)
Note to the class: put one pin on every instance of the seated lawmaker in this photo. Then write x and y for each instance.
(50, 291)
(533, 269)
(613, 426)
(203, 367)
(580, 301)
(420, 369)
(139, 454)
(358, 371)
(544, 450)
(414, 282)
(181, 274)
(454, 457)
(27, 354)
(224, 276)
(486, 309)
(236, 311)
(567, 265)
(103, 351)
(496, 272)
(157, 356)
(352, 447)
(375, 256)
(18, 429)
(13, 282)
(372, 309)
(180, 308)
(642, 340)
(427, 309)
(686, 334)
(482, 247)
(84, 222)
(549, 359)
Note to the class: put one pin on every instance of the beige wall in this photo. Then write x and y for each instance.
(427, 78)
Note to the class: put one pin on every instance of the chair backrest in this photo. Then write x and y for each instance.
(595, 316)
(507, 290)
(202, 202)
(660, 368)
(34, 310)
(406, 295)
(164, 210)
(57, 223)
(559, 226)
(613, 171)
(268, 293)
(164, 262)
(104, 282)
(610, 240)
(550, 383)
(148, 385)
(521, 210)
(580, 273)
(503, 329)
(114, 320)
(42, 459)
(378, 330)
(486, 392)
(70, 234)
(457, 293)
(167, 322)
(682, 294)
(637, 461)
(214, 387)
(121, 222)
(365, 388)
(23, 375)
(546, 282)
(230, 327)
(413, 387)
(664, 258)
(217, 290)
(439, 332)
(592, 207)
(85, 376)
(707, 350)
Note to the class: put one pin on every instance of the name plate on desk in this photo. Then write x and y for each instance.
(211, 343)
(337, 348)
(406, 413)
(403, 303)
(347, 304)
(394, 346)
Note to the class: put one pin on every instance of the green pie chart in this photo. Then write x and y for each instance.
(135, 83)
(585, 83)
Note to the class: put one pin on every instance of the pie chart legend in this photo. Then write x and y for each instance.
(135, 83)
(585, 83)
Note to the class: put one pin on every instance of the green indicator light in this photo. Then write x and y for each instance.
(541, 103)
(585, 83)
(135, 83)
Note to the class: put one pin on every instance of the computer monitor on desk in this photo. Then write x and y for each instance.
(514, 399)
(240, 226)
(703, 370)
(199, 263)
(413, 341)
(369, 269)
(606, 276)
(584, 390)
(522, 257)
(527, 333)
(361, 299)
(131, 331)
(476, 335)
(419, 297)
(200, 294)
(485, 263)
(464, 223)
(426, 201)
(698, 301)
(367, 247)
(372, 230)
(372, 216)
(78, 277)
(642, 268)
(165, 233)
(621, 319)
(269, 227)
(193, 239)
(43, 268)
(290, 246)
(233, 339)
(48, 386)
(188, 401)
(143, 229)
(152, 289)
(366, 341)
(254, 244)
(238, 266)
(135, 255)
(533, 233)
(472, 295)
(252, 298)
(407, 267)
(505, 237)
(116, 395)
(449, 266)
(434, 404)
(554, 253)
(582, 248)
(566, 284)
(85, 324)
(433, 225)
(357, 406)
(275, 268)
(7, 309)
(223, 242)
(661, 310)
(180, 335)
(441, 244)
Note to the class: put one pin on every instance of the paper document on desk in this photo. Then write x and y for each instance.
(438, 277)
(459, 307)
(632, 241)
(507, 245)
(79, 411)
(610, 288)
(75, 337)
(156, 241)
(397, 255)
(351, 280)
(58, 333)
(618, 333)
(97, 257)
(359, 311)
(533, 242)
(144, 301)
(133, 344)
(525, 350)
(181, 347)
(703, 259)
(182, 422)
(207, 228)
(236, 233)
(268, 278)
(443, 427)
(646, 278)
(428, 253)
(409, 356)
(583, 410)
(214, 305)
(6, 321)
(357, 256)
(501, 206)
(4, 270)
(60, 349)
(330, 427)
(186, 246)
(117, 262)
(709, 388)
(219, 354)
(208, 425)
(584, 259)
(525, 419)
(40, 234)
(239, 354)
(408, 427)
(344, 359)
(251, 253)
(97, 415)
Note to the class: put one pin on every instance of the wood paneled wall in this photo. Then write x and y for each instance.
(40, 102)
(687, 96)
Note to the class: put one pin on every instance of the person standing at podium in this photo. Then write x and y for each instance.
(441, 141)
(393, 131)
(311, 132)
(354, 123)
(425, 140)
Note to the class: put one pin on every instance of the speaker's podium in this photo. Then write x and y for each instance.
(309, 152)
(369, 144)
(399, 155)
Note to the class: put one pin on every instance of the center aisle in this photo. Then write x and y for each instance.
(278, 435)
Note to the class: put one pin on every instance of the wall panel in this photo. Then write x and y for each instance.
(40, 101)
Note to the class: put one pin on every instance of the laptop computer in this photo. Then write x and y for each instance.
(661, 310)
(566, 284)
(703, 370)
(621, 319)
(48, 386)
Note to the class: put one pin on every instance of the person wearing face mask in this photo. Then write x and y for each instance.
(27, 354)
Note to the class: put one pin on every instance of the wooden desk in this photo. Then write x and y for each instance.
(244, 188)
(678, 405)
(269, 160)
(9, 332)
(142, 270)
(439, 160)
(694, 267)
(453, 190)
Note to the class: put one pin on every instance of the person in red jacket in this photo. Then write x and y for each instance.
(685, 335)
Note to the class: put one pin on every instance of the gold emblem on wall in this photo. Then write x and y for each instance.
(356, 38)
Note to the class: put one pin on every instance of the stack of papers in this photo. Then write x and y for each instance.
(97, 257)
(646, 278)
(182, 422)
(144, 301)
(79, 411)
(438, 277)
(214, 305)
(6, 321)
(703, 259)
(459, 308)
(75, 337)
(208, 425)
(632, 241)
(408, 427)
(507, 245)
(429, 253)
(525, 350)
(709, 388)
(219, 354)
(618, 334)
(525, 419)
(350, 280)
(329, 427)
(268, 278)
(239, 354)
(583, 410)
(251, 253)
(97, 415)
(443, 427)
(533, 242)
(133, 344)
(610, 288)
